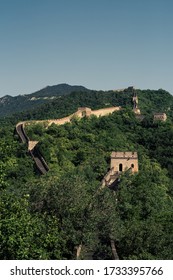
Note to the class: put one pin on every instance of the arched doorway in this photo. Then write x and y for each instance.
(120, 167)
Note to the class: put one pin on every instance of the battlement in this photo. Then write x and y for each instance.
(124, 155)
(84, 109)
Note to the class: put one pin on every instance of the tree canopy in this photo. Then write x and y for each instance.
(49, 216)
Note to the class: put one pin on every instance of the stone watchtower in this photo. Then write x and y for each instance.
(83, 112)
(136, 109)
(160, 117)
(121, 161)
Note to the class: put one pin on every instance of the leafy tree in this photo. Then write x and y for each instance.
(26, 236)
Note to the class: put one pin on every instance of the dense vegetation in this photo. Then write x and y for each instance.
(150, 101)
(21, 103)
(47, 217)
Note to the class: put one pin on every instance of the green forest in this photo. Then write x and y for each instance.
(50, 216)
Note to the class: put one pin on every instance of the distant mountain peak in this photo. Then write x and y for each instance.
(10, 105)
(56, 90)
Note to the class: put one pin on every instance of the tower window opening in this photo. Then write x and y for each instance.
(120, 167)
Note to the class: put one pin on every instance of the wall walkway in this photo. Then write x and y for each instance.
(38, 159)
(32, 145)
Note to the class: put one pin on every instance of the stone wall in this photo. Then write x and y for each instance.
(60, 121)
(80, 113)
(105, 111)
(31, 145)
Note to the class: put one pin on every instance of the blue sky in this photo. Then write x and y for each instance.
(100, 44)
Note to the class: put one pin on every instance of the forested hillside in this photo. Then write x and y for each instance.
(21, 103)
(150, 101)
(49, 216)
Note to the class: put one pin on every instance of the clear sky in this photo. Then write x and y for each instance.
(100, 44)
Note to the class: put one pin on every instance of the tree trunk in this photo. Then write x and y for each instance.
(78, 251)
(114, 251)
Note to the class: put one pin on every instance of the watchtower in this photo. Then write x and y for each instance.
(135, 97)
(136, 109)
(121, 161)
(83, 112)
(160, 117)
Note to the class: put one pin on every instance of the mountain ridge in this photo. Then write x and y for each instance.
(64, 207)
(60, 100)
(13, 104)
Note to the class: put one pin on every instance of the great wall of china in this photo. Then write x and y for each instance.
(120, 161)
(32, 145)
(37, 157)
(80, 113)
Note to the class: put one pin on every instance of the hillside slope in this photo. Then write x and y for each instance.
(150, 101)
(78, 155)
(51, 216)
(20, 103)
